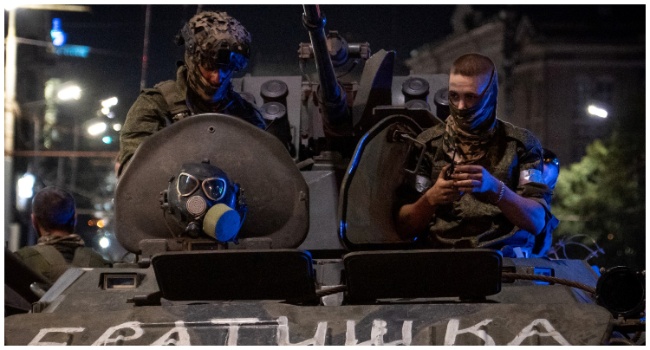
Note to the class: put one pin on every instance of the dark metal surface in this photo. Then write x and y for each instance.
(253, 86)
(374, 89)
(275, 191)
(470, 274)
(81, 312)
(368, 190)
(323, 201)
(277, 274)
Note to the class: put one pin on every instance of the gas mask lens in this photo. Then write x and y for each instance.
(187, 184)
(214, 187)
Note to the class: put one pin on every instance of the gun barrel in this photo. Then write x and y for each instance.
(331, 94)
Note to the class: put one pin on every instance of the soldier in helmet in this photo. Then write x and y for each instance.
(216, 46)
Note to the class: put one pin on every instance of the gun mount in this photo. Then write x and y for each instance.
(332, 96)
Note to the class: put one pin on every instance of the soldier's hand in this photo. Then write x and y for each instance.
(443, 191)
(474, 178)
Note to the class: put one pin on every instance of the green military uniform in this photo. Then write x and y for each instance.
(513, 156)
(169, 102)
(52, 256)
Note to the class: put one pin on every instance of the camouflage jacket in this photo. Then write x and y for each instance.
(166, 103)
(514, 157)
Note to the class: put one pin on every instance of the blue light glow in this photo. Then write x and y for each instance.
(596, 270)
(357, 154)
(57, 35)
(342, 228)
(72, 50)
(543, 271)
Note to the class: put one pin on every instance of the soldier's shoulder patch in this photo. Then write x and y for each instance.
(530, 175)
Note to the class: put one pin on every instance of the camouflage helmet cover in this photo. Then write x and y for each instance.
(208, 33)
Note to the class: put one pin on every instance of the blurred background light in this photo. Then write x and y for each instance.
(597, 111)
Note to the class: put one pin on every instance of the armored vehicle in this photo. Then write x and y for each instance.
(300, 248)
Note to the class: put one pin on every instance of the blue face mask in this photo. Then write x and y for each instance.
(222, 91)
(227, 62)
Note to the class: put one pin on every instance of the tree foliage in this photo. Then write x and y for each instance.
(603, 197)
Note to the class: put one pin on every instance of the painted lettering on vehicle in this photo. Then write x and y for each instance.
(130, 332)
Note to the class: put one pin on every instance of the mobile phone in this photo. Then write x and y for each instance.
(450, 171)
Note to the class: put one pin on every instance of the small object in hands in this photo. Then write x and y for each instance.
(450, 170)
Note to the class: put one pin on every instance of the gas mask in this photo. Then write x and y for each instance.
(201, 198)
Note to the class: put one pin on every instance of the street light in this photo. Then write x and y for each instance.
(597, 111)
(96, 128)
(25, 190)
(69, 92)
(55, 93)
(106, 106)
(100, 125)
(104, 242)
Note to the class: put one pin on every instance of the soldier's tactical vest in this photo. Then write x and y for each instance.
(48, 261)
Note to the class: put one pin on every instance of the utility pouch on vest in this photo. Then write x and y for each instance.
(56, 261)
(87, 257)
